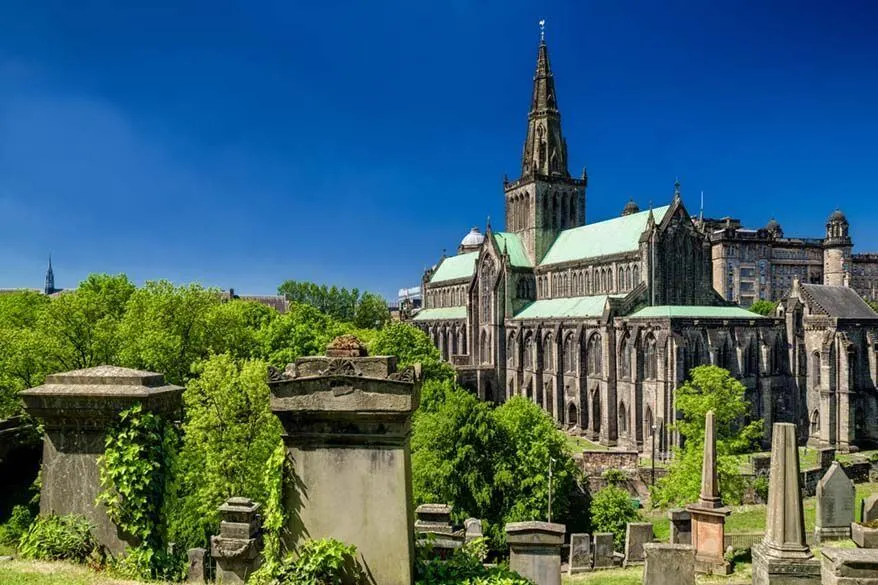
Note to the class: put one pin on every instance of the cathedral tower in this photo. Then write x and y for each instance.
(50, 279)
(545, 199)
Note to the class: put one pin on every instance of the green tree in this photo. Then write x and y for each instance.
(24, 356)
(303, 330)
(709, 388)
(411, 346)
(763, 307)
(338, 303)
(874, 305)
(228, 435)
(371, 312)
(611, 511)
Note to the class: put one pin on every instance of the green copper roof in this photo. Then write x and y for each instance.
(454, 267)
(511, 244)
(565, 307)
(441, 314)
(696, 312)
(613, 236)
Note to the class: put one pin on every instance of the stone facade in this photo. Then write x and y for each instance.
(598, 323)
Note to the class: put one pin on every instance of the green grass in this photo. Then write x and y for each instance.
(808, 458)
(578, 444)
(629, 576)
(851, 457)
(57, 573)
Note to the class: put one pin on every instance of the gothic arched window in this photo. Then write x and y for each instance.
(569, 354)
(510, 351)
(594, 355)
(548, 354)
(625, 360)
(815, 367)
(651, 359)
(636, 276)
(623, 419)
(528, 360)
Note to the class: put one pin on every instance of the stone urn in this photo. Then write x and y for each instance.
(865, 535)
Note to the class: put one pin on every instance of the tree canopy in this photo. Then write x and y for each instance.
(763, 307)
(364, 310)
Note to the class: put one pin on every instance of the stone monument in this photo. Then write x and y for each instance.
(636, 535)
(433, 525)
(681, 526)
(237, 550)
(346, 422)
(709, 513)
(603, 550)
(869, 509)
(472, 529)
(535, 550)
(76, 409)
(784, 557)
(835, 505)
(580, 554)
(198, 567)
(668, 564)
(849, 566)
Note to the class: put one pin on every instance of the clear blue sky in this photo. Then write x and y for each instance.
(241, 144)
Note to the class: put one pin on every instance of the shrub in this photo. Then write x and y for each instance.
(144, 564)
(16, 526)
(760, 486)
(611, 511)
(53, 538)
(318, 562)
(465, 567)
(614, 477)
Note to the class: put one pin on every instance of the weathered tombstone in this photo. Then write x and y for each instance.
(826, 457)
(869, 509)
(636, 535)
(580, 554)
(535, 550)
(849, 566)
(197, 571)
(76, 409)
(761, 464)
(346, 422)
(238, 548)
(709, 513)
(472, 529)
(681, 526)
(434, 518)
(603, 550)
(835, 505)
(784, 556)
(668, 564)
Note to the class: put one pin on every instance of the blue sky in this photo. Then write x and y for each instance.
(241, 144)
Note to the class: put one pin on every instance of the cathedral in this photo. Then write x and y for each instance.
(598, 323)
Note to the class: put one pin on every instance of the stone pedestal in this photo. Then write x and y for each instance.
(237, 550)
(535, 550)
(783, 557)
(347, 422)
(681, 526)
(197, 571)
(668, 564)
(433, 525)
(76, 409)
(835, 505)
(849, 567)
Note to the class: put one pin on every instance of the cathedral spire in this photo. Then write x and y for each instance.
(545, 150)
(50, 278)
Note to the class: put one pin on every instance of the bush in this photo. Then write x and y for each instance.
(464, 567)
(16, 526)
(611, 511)
(53, 538)
(145, 564)
(318, 562)
(760, 486)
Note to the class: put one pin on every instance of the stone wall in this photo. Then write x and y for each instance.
(596, 462)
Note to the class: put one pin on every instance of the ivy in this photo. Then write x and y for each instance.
(134, 470)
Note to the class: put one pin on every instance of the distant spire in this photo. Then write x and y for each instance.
(543, 30)
(50, 278)
(676, 189)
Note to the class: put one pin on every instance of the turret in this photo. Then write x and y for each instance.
(836, 250)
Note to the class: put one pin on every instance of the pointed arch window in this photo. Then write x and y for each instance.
(528, 359)
(510, 351)
(594, 355)
(650, 361)
(625, 360)
(569, 354)
(548, 353)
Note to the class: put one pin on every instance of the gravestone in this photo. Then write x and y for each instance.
(826, 457)
(433, 518)
(709, 513)
(869, 509)
(603, 550)
(580, 553)
(835, 505)
(668, 564)
(238, 548)
(681, 526)
(76, 410)
(849, 566)
(784, 557)
(472, 529)
(535, 550)
(197, 571)
(636, 535)
(346, 423)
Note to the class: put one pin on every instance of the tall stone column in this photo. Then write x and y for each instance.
(76, 409)
(347, 421)
(709, 514)
(784, 551)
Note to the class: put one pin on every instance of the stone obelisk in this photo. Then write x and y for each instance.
(784, 552)
(709, 514)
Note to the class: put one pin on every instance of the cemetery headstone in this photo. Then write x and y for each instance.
(784, 551)
(580, 553)
(603, 550)
(636, 535)
(535, 550)
(472, 528)
(668, 564)
(869, 509)
(681, 526)
(835, 505)
(347, 423)
(198, 566)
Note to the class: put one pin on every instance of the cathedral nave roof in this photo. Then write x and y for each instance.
(454, 267)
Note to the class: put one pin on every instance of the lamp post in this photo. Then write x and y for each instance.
(652, 472)
(551, 461)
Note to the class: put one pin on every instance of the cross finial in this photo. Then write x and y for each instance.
(542, 30)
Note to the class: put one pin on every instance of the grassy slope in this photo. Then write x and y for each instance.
(56, 573)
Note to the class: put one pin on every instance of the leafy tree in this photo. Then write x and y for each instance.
(709, 388)
(302, 330)
(411, 345)
(338, 303)
(24, 356)
(874, 305)
(228, 435)
(611, 511)
(371, 312)
(763, 307)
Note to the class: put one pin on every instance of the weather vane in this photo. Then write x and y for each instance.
(543, 29)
